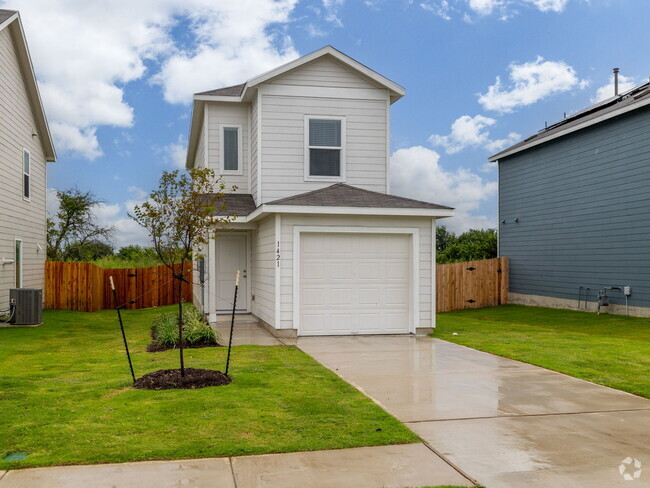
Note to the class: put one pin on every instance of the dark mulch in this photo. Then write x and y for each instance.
(155, 346)
(168, 379)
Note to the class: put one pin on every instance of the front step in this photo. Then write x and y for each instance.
(240, 318)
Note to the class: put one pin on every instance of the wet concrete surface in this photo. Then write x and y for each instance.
(409, 465)
(402, 466)
(503, 422)
(246, 332)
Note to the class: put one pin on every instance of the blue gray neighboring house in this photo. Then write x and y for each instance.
(574, 208)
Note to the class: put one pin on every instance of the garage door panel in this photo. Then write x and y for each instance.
(354, 284)
(369, 296)
(342, 297)
(341, 270)
(396, 270)
(313, 323)
(369, 322)
(370, 270)
(396, 297)
(340, 322)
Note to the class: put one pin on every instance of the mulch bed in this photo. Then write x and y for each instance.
(155, 346)
(168, 379)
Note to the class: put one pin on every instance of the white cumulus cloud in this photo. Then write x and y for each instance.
(549, 5)
(416, 172)
(86, 53)
(501, 9)
(529, 83)
(469, 131)
(625, 83)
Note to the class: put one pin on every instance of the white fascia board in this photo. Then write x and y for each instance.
(8, 21)
(398, 90)
(569, 130)
(196, 124)
(216, 98)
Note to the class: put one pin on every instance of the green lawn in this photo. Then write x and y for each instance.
(64, 399)
(611, 350)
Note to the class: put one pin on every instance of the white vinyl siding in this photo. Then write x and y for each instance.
(18, 217)
(263, 271)
(425, 257)
(283, 143)
(225, 114)
(253, 148)
(324, 72)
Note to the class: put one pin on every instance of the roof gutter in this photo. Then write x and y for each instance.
(569, 130)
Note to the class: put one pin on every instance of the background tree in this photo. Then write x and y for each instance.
(444, 238)
(472, 245)
(74, 226)
(178, 217)
(90, 251)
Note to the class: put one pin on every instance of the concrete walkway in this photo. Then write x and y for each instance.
(411, 465)
(503, 422)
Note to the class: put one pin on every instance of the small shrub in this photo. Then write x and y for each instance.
(196, 331)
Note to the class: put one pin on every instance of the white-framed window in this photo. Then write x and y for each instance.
(27, 163)
(230, 149)
(18, 263)
(324, 148)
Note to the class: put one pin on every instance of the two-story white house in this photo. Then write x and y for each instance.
(324, 249)
(25, 147)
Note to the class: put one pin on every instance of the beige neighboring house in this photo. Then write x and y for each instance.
(25, 148)
(324, 249)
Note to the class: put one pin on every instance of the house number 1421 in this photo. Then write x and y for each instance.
(277, 255)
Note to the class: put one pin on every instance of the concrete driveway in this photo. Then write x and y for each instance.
(503, 422)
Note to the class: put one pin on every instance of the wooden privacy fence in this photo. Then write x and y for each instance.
(472, 284)
(84, 287)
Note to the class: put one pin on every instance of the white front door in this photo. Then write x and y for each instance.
(354, 284)
(232, 253)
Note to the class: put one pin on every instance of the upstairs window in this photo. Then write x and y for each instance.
(26, 174)
(325, 148)
(231, 149)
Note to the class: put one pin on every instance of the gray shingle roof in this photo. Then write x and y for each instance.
(238, 204)
(342, 195)
(228, 91)
(632, 97)
(5, 14)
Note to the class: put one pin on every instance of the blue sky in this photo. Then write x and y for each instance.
(117, 78)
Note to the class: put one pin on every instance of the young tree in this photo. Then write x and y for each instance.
(74, 226)
(178, 217)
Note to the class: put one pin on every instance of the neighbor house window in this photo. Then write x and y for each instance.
(325, 148)
(26, 174)
(231, 149)
(18, 264)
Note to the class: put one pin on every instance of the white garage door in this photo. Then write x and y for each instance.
(354, 284)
